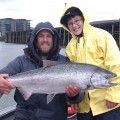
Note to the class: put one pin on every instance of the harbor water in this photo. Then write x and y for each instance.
(8, 52)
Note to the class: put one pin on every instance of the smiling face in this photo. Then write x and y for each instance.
(75, 24)
(44, 41)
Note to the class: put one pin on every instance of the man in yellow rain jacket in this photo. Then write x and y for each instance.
(95, 46)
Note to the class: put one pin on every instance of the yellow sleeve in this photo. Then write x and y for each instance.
(112, 63)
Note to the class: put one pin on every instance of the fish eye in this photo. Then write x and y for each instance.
(107, 77)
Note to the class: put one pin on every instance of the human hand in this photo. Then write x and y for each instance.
(5, 86)
(111, 104)
(74, 108)
(72, 91)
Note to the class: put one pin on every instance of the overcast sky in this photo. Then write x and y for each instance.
(50, 10)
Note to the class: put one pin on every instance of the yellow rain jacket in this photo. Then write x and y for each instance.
(97, 47)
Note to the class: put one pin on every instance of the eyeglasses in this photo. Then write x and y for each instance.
(76, 22)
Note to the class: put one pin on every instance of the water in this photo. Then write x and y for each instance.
(8, 52)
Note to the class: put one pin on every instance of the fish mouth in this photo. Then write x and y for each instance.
(110, 84)
(106, 85)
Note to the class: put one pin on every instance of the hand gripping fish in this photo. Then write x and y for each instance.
(55, 76)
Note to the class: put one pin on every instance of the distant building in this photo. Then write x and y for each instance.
(14, 25)
(17, 28)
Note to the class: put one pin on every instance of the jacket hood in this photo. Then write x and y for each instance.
(78, 12)
(33, 50)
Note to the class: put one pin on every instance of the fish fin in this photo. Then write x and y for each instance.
(50, 98)
(26, 95)
(1, 94)
(47, 63)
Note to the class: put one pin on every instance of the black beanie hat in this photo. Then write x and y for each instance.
(70, 12)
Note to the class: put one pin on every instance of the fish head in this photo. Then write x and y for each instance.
(101, 78)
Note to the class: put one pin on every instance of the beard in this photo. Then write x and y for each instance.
(44, 52)
(44, 48)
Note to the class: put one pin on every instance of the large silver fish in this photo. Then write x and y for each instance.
(55, 76)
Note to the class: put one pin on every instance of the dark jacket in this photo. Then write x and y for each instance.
(36, 107)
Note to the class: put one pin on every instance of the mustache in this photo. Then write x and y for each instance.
(45, 42)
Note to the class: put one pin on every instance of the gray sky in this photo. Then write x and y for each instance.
(50, 10)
